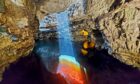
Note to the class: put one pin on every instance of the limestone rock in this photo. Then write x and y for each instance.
(2, 8)
(46, 7)
(18, 25)
(119, 23)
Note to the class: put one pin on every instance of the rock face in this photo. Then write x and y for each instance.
(119, 23)
(18, 25)
(46, 7)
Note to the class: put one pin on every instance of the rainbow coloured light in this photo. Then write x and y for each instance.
(70, 69)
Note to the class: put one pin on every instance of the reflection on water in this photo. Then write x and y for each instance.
(48, 51)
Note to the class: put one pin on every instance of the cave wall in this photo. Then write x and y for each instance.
(115, 26)
(48, 7)
(18, 25)
(119, 23)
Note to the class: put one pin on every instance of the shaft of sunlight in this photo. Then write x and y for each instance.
(68, 67)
